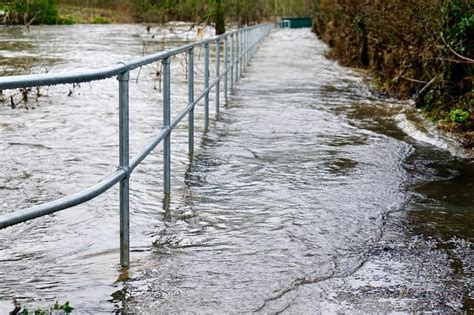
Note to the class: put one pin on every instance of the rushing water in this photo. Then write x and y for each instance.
(306, 195)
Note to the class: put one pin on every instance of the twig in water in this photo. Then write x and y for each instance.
(138, 74)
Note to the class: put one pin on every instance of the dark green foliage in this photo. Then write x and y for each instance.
(219, 19)
(100, 20)
(29, 12)
(244, 12)
(459, 116)
(66, 307)
(422, 49)
(458, 25)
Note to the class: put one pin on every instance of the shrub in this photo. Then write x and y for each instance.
(101, 20)
(34, 12)
(459, 116)
(422, 49)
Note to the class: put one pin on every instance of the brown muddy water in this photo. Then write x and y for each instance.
(307, 194)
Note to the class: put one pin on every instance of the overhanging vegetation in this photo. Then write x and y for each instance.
(422, 49)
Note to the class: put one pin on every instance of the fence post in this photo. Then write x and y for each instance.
(166, 125)
(232, 61)
(206, 85)
(246, 34)
(248, 47)
(218, 73)
(237, 46)
(123, 79)
(242, 52)
(191, 101)
(226, 68)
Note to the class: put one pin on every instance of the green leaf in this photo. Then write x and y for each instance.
(56, 306)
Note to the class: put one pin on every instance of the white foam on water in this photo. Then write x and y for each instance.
(419, 129)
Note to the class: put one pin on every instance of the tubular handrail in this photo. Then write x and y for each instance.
(31, 80)
(243, 43)
(13, 218)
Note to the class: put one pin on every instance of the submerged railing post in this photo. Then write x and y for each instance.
(166, 125)
(226, 67)
(237, 47)
(251, 47)
(218, 73)
(246, 34)
(248, 47)
(241, 46)
(206, 86)
(123, 79)
(232, 61)
(191, 101)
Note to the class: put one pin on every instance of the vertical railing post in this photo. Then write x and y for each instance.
(218, 74)
(237, 46)
(206, 86)
(226, 67)
(242, 48)
(256, 40)
(252, 47)
(248, 47)
(191, 101)
(166, 125)
(232, 46)
(123, 79)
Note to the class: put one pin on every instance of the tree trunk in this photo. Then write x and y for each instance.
(219, 18)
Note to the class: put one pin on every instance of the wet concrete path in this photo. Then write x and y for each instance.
(308, 194)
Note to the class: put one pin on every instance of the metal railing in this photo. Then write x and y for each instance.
(243, 42)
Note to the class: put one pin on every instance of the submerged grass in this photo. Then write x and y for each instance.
(24, 64)
(95, 15)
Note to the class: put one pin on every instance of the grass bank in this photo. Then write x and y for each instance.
(420, 49)
(96, 15)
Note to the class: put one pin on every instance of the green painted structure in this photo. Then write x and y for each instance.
(296, 22)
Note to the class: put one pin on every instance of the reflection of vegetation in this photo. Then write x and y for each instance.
(422, 49)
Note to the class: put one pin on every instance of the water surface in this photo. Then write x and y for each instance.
(307, 193)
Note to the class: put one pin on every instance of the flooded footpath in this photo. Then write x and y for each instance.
(307, 194)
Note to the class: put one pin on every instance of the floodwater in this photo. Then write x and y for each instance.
(307, 194)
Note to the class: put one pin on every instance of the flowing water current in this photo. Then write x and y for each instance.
(306, 195)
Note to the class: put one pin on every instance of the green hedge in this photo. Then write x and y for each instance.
(422, 49)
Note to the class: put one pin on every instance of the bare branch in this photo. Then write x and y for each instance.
(413, 80)
(468, 60)
(422, 91)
